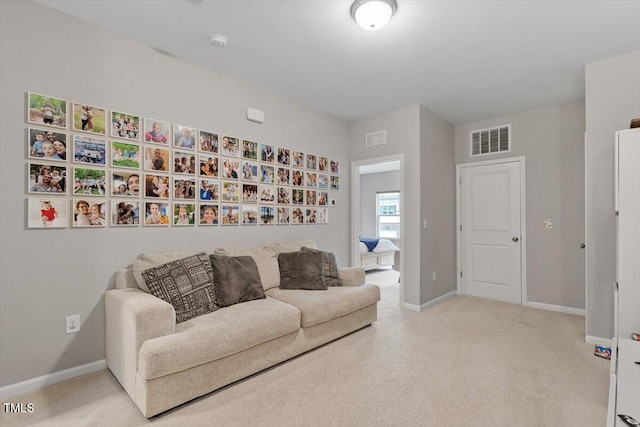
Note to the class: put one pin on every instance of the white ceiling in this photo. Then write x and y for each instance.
(463, 60)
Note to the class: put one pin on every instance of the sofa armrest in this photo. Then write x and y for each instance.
(351, 276)
(133, 317)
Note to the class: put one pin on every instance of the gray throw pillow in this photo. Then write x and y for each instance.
(236, 279)
(186, 284)
(329, 267)
(301, 270)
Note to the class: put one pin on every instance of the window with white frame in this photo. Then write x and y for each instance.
(388, 215)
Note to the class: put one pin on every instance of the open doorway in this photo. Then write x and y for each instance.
(377, 221)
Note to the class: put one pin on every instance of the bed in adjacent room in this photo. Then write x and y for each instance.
(378, 253)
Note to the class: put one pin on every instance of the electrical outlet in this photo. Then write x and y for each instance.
(433, 276)
(72, 324)
(424, 223)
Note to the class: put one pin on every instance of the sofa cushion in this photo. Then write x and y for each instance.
(292, 247)
(186, 284)
(147, 260)
(236, 279)
(301, 270)
(329, 267)
(319, 307)
(265, 259)
(216, 335)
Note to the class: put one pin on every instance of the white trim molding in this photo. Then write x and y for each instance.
(46, 380)
(558, 308)
(431, 303)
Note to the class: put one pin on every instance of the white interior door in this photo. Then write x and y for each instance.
(491, 238)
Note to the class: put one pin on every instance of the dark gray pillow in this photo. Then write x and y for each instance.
(186, 284)
(301, 270)
(329, 267)
(236, 279)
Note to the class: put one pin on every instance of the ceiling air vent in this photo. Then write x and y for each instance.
(375, 138)
(490, 141)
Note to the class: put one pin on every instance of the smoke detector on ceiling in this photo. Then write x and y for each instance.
(218, 40)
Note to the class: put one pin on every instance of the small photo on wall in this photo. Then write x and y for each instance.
(46, 144)
(323, 181)
(323, 198)
(249, 215)
(87, 149)
(184, 163)
(46, 212)
(156, 159)
(230, 169)
(311, 216)
(89, 182)
(284, 156)
(125, 126)
(157, 132)
(156, 214)
(334, 167)
(297, 159)
(249, 150)
(209, 166)
(88, 118)
(334, 183)
(209, 190)
(323, 216)
(250, 171)
(267, 193)
(323, 164)
(312, 161)
(45, 178)
(267, 215)
(267, 153)
(283, 176)
(125, 155)
(230, 191)
(312, 180)
(297, 178)
(156, 186)
(266, 174)
(184, 137)
(208, 214)
(46, 110)
(125, 184)
(249, 193)
(125, 213)
(230, 214)
(310, 198)
(297, 196)
(230, 146)
(208, 142)
(284, 195)
(184, 188)
(89, 213)
(297, 216)
(282, 215)
(184, 214)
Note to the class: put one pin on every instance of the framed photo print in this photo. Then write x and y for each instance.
(284, 156)
(89, 213)
(230, 146)
(184, 137)
(46, 212)
(46, 144)
(157, 132)
(249, 193)
(208, 142)
(230, 191)
(323, 181)
(208, 214)
(266, 174)
(323, 216)
(310, 198)
(230, 214)
(282, 215)
(297, 196)
(267, 215)
(87, 149)
(312, 161)
(297, 159)
(311, 216)
(334, 183)
(125, 213)
(46, 110)
(184, 214)
(250, 171)
(249, 150)
(297, 216)
(88, 118)
(125, 184)
(267, 153)
(156, 214)
(125, 155)
(284, 195)
(267, 193)
(323, 198)
(230, 169)
(209, 166)
(89, 182)
(297, 178)
(45, 178)
(209, 190)
(125, 126)
(184, 188)
(323, 164)
(156, 186)
(249, 215)
(184, 163)
(156, 159)
(334, 166)
(312, 180)
(283, 176)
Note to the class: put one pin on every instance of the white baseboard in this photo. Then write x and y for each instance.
(598, 341)
(423, 307)
(558, 308)
(46, 380)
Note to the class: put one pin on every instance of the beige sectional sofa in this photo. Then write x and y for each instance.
(162, 364)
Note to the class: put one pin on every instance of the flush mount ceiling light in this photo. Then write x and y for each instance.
(372, 15)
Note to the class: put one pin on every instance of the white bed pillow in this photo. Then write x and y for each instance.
(385, 245)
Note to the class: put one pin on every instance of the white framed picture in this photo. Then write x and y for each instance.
(47, 212)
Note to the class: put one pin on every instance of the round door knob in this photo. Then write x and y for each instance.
(582, 246)
(515, 239)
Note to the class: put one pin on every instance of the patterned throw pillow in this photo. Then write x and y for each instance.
(329, 267)
(186, 284)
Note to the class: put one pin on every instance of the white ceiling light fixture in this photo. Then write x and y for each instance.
(372, 15)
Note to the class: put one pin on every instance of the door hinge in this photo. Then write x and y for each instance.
(460, 227)
(460, 273)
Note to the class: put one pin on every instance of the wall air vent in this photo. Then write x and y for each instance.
(491, 141)
(375, 138)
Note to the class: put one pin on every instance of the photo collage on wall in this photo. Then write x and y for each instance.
(89, 167)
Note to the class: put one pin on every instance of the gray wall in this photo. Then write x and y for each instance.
(49, 274)
(612, 100)
(551, 139)
(370, 184)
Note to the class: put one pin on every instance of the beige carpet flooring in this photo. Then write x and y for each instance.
(463, 362)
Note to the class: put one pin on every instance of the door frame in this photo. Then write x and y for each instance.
(355, 209)
(523, 222)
